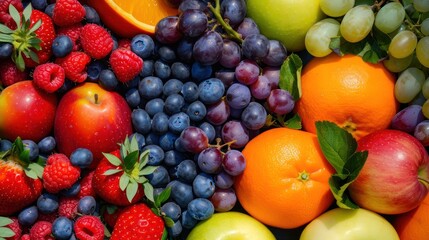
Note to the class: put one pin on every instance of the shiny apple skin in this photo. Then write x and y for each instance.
(394, 177)
(80, 122)
(26, 111)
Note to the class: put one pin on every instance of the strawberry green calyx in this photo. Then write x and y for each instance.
(133, 167)
(21, 156)
(23, 38)
(5, 231)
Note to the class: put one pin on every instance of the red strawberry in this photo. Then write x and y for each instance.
(138, 222)
(16, 228)
(96, 41)
(5, 17)
(89, 227)
(73, 32)
(125, 64)
(117, 165)
(18, 188)
(68, 207)
(68, 12)
(49, 77)
(111, 214)
(41, 230)
(59, 173)
(9, 73)
(86, 188)
(75, 65)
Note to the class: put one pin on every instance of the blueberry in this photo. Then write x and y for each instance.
(173, 158)
(86, 205)
(81, 157)
(47, 144)
(47, 203)
(62, 228)
(209, 130)
(156, 154)
(132, 97)
(162, 69)
(176, 229)
(178, 122)
(68, 84)
(32, 148)
(203, 185)
(141, 121)
(62, 46)
(184, 49)
(172, 86)
(201, 72)
(190, 91)
(49, 10)
(6, 50)
(142, 45)
(196, 111)
(28, 216)
(91, 16)
(187, 220)
(211, 90)
(167, 54)
(186, 171)
(72, 191)
(108, 79)
(154, 106)
(181, 193)
(152, 138)
(159, 178)
(166, 141)
(5, 145)
(94, 69)
(147, 69)
(150, 87)
(171, 210)
(140, 138)
(174, 103)
(180, 71)
(39, 4)
(160, 122)
(200, 208)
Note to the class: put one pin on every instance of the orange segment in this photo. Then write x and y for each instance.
(130, 17)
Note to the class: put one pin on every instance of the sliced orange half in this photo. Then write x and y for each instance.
(127, 18)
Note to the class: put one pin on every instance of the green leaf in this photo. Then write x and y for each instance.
(35, 167)
(148, 170)
(35, 26)
(107, 232)
(355, 164)
(335, 45)
(364, 2)
(164, 235)
(131, 190)
(112, 171)
(6, 38)
(112, 159)
(124, 180)
(290, 75)
(4, 221)
(148, 191)
(168, 221)
(5, 29)
(15, 15)
(338, 189)
(131, 159)
(336, 143)
(25, 156)
(111, 208)
(26, 14)
(371, 56)
(6, 232)
(294, 122)
(162, 197)
(134, 145)
(19, 61)
(144, 159)
(30, 174)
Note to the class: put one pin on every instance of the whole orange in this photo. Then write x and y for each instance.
(356, 95)
(285, 182)
(413, 225)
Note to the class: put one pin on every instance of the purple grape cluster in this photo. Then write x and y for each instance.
(412, 120)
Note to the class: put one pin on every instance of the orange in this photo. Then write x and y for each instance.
(130, 17)
(285, 182)
(348, 91)
(413, 225)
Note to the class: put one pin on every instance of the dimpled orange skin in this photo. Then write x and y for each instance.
(272, 187)
(349, 92)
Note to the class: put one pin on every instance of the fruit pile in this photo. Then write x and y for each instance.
(168, 134)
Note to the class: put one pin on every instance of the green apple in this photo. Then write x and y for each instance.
(230, 226)
(285, 20)
(349, 224)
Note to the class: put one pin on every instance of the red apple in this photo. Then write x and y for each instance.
(26, 111)
(91, 117)
(395, 177)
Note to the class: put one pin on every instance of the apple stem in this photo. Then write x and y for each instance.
(96, 98)
(424, 180)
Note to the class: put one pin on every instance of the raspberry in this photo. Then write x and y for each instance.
(125, 64)
(68, 207)
(86, 188)
(16, 228)
(5, 17)
(75, 65)
(26, 237)
(124, 43)
(9, 73)
(68, 12)
(41, 230)
(89, 227)
(96, 41)
(73, 32)
(49, 77)
(59, 173)
(49, 217)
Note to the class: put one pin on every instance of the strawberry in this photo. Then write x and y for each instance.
(73, 32)
(68, 12)
(32, 39)
(5, 17)
(119, 176)
(9, 73)
(89, 227)
(125, 64)
(96, 41)
(49, 77)
(110, 215)
(86, 188)
(74, 65)
(68, 207)
(41, 230)
(59, 173)
(138, 222)
(19, 179)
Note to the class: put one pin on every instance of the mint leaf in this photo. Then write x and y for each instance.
(338, 189)
(294, 122)
(290, 75)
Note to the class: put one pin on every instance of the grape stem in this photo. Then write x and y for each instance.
(231, 33)
(413, 26)
(220, 146)
(377, 5)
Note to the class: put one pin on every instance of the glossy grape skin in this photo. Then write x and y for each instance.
(424, 27)
(200, 209)
(255, 46)
(231, 54)
(336, 8)
(223, 199)
(192, 23)
(422, 51)
(233, 162)
(227, 76)
(421, 5)
(218, 113)
(273, 75)
(261, 89)
(409, 84)
(276, 54)
(166, 30)
(407, 119)
(357, 23)
(254, 116)
(233, 10)
(223, 180)
(209, 130)
(234, 131)
(210, 160)
(208, 48)
(247, 27)
(238, 96)
(403, 44)
(247, 72)
(192, 4)
(318, 37)
(397, 65)
(280, 101)
(193, 139)
(421, 132)
(390, 17)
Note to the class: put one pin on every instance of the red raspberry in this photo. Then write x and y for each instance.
(16, 228)
(48, 217)
(9, 73)
(86, 186)
(59, 173)
(5, 17)
(41, 230)
(124, 43)
(49, 77)
(125, 64)
(26, 237)
(74, 66)
(73, 32)
(96, 41)
(68, 207)
(68, 12)
(89, 227)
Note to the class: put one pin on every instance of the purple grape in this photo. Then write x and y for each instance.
(223, 180)
(280, 101)
(210, 160)
(255, 46)
(254, 116)
(276, 54)
(261, 89)
(208, 48)
(226, 76)
(233, 162)
(193, 139)
(192, 23)
(231, 54)
(234, 11)
(166, 30)
(223, 200)
(234, 131)
(192, 4)
(407, 119)
(247, 27)
(218, 113)
(174, 3)
(238, 96)
(273, 74)
(421, 132)
(247, 72)
(236, 113)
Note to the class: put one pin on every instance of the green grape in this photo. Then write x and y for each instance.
(403, 44)
(397, 65)
(425, 108)
(336, 8)
(425, 88)
(390, 17)
(409, 84)
(422, 51)
(357, 23)
(424, 27)
(421, 5)
(319, 36)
